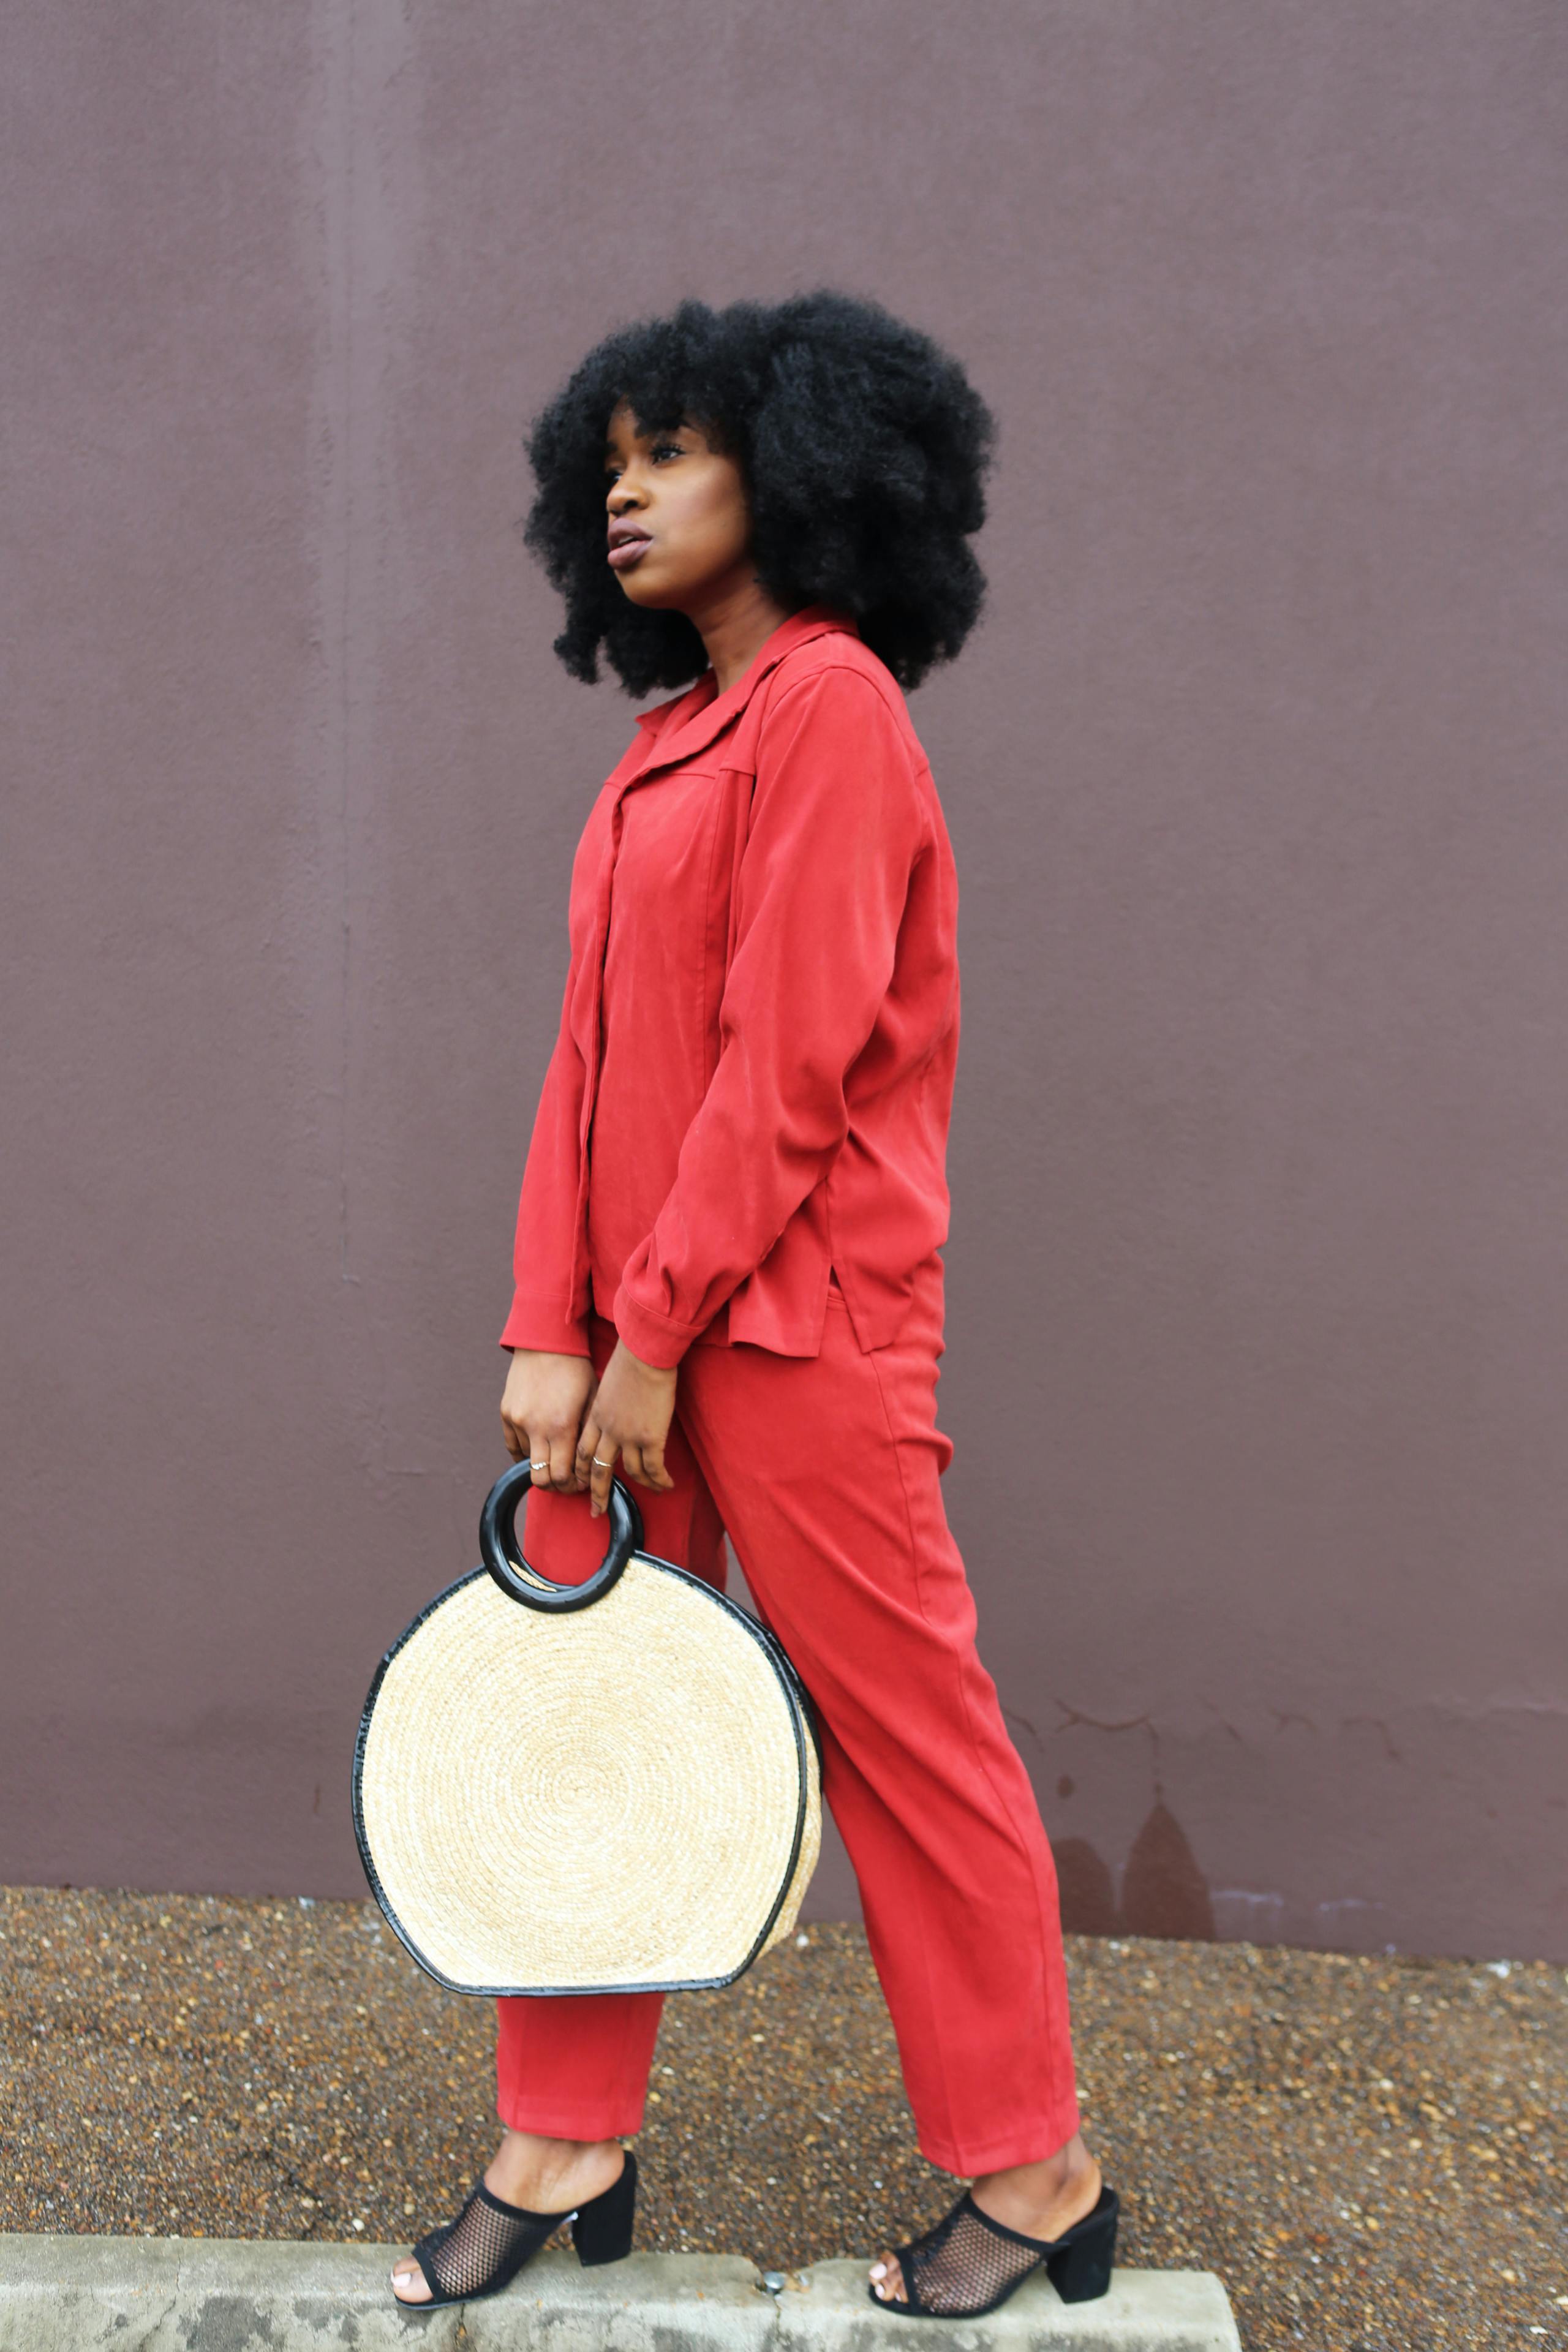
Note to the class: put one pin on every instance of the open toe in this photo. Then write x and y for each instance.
(888, 2281)
(402, 2280)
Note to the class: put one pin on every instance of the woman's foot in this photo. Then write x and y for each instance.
(1040, 2200)
(546, 2176)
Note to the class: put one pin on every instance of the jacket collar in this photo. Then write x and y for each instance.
(678, 730)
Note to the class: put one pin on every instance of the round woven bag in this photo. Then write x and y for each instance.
(607, 1787)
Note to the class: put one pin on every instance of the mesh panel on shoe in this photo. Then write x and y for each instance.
(963, 2263)
(467, 2254)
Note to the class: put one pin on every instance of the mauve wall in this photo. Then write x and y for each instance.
(1257, 1337)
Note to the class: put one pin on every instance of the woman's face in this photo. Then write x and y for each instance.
(679, 525)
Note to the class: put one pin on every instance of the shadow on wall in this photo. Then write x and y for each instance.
(1164, 1892)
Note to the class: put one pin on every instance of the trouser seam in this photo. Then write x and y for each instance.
(1004, 1808)
(920, 1601)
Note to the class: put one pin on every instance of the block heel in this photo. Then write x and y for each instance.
(1081, 2270)
(602, 2230)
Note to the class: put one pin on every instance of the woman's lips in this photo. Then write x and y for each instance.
(628, 551)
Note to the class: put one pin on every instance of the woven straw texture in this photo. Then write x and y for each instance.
(606, 1797)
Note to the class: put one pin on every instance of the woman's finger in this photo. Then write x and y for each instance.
(652, 1468)
(514, 1439)
(644, 1462)
(593, 1471)
(603, 1470)
(588, 1444)
(563, 1452)
(549, 1458)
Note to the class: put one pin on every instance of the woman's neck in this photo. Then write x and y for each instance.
(735, 624)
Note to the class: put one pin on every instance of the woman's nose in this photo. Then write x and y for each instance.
(623, 495)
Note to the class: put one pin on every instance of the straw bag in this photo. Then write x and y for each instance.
(607, 1787)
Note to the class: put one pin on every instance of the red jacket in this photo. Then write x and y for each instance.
(756, 1057)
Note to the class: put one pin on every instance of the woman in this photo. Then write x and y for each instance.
(729, 1286)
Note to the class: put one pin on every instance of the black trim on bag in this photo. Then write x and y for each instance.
(803, 1720)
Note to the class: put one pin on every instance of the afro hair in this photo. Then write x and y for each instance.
(863, 447)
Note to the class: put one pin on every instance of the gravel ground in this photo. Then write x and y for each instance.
(1371, 2153)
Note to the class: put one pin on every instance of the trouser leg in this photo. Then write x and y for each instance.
(826, 1472)
(575, 2067)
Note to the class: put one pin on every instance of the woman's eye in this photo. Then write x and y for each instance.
(667, 449)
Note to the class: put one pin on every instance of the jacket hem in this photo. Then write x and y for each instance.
(533, 1324)
(659, 1339)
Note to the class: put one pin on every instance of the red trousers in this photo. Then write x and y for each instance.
(825, 1471)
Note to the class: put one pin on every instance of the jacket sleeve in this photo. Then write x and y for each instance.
(836, 825)
(545, 1251)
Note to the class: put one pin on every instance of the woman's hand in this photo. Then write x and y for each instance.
(542, 1412)
(630, 1414)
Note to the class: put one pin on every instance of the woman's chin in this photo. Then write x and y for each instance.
(638, 589)
(664, 591)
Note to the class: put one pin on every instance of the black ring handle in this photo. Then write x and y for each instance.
(524, 1583)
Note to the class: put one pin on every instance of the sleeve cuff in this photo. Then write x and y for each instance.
(535, 1323)
(657, 1338)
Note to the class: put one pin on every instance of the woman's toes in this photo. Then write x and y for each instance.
(409, 2283)
(887, 2280)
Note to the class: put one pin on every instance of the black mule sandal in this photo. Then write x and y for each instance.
(967, 2263)
(484, 2249)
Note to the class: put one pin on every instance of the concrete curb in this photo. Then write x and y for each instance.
(273, 2294)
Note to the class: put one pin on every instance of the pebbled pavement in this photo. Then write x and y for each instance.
(1371, 2153)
